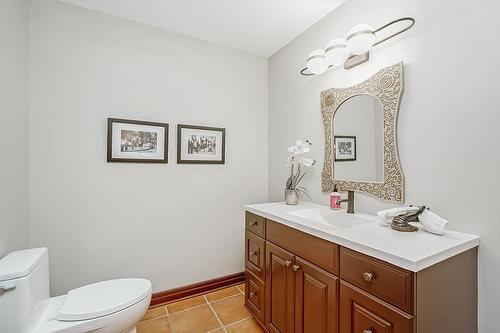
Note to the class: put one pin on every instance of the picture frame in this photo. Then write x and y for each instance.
(201, 144)
(345, 148)
(135, 141)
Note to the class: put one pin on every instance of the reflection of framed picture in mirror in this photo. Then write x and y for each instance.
(345, 148)
(200, 145)
(137, 141)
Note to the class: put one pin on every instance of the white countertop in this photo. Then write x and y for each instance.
(413, 251)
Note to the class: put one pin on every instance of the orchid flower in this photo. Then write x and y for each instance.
(308, 162)
(297, 163)
(303, 146)
(293, 150)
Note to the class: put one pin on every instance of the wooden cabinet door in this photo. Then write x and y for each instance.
(279, 290)
(361, 312)
(316, 302)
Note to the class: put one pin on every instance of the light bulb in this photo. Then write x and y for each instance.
(360, 39)
(336, 52)
(316, 62)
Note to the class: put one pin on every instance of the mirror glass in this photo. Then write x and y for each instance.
(358, 129)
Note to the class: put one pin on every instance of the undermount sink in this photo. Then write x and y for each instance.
(339, 219)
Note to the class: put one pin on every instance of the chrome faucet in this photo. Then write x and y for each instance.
(350, 202)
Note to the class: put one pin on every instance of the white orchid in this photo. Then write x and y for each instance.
(300, 147)
(296, 163)
(303, 146)
(293, 150)
(308, 162)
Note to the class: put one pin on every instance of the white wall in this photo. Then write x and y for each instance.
(13, 125)
(449, 121)
(174, 224)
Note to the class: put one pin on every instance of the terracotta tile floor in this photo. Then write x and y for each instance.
(220, 311)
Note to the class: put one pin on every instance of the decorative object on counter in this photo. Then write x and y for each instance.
(399, 217)
(201, 145)
(352, 50)
(387, 86)
(137, 141)
(298, 169)
(402, 222)
(291, 197)
(345, 148)
(387, 215)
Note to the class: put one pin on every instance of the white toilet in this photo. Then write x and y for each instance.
(113, 306)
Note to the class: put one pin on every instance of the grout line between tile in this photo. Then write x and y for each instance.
(144, 321)
(239, 321)
(193, 307)
(215, 314)
(172, 329)
(223, 299)
(168, 314)
(215, 330)
(240, 290)
(235, 286)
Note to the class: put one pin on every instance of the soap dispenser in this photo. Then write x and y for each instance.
(334, 198)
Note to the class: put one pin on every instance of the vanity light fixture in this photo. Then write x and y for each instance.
(316, 62)
(336, 52)
(352, 50)
(361, 39)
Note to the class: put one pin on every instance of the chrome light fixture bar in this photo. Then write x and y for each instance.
(353, 50)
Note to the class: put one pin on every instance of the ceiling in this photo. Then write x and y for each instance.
(261, 27)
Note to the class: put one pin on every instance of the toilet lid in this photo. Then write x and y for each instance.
(103, 298)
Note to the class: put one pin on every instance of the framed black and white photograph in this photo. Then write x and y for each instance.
(200, 144)
(345, 148)
(137, 141)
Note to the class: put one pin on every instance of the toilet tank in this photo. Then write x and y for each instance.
(25, 277)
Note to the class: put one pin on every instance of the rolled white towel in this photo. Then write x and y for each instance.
(432, 222)
(388, 214)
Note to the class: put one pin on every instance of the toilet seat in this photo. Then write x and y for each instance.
(102, 299)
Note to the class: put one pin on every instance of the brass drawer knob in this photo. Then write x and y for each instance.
(254, 253)
(254, 224)
(252, 294)
(368, 276)
(287, 263)
(296, 267)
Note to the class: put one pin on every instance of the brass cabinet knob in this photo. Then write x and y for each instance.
(368, 276)
(254, 253)
(252, 294)
(254, 223)
(296, 267)
(287, 263)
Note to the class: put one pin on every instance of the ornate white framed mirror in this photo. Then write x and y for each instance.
(360, 136)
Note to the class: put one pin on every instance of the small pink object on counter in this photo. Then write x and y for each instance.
(334, 197)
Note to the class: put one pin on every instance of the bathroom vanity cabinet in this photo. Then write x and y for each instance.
(299, 283)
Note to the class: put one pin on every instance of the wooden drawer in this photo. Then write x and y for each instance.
(315, 250)
(255, 298)
(255, 254)
(361, 312)
(255, 224)
(391, 283)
